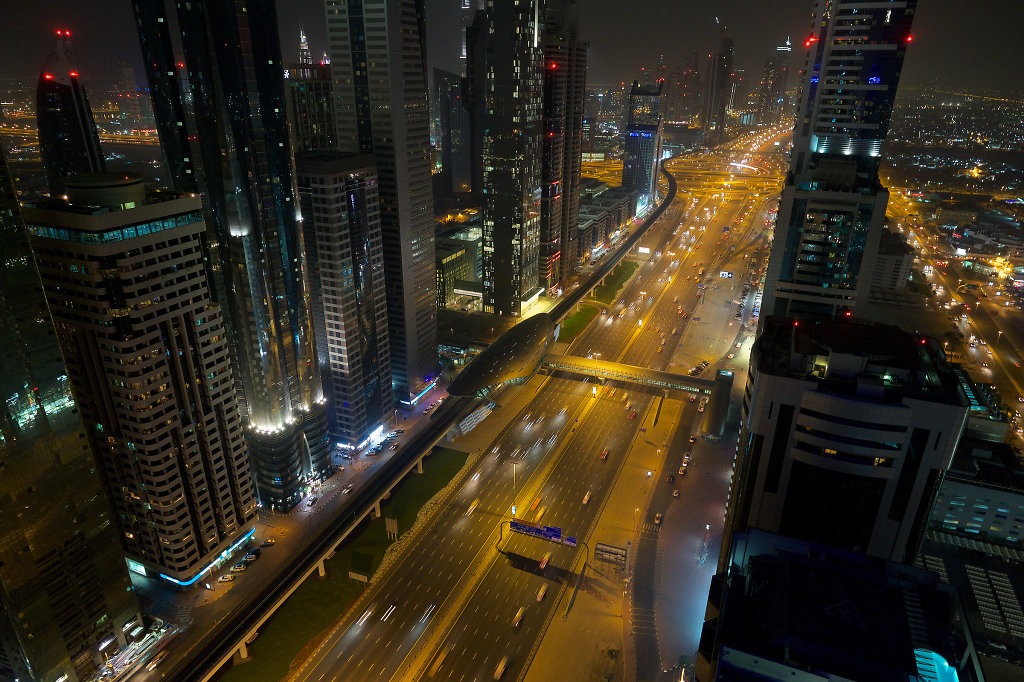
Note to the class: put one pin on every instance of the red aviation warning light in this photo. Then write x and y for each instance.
(910, 39)
(73, 74)
(48, 76)
(810, 41)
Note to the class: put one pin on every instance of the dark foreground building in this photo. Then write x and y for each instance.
(785, 609)
(64, 588)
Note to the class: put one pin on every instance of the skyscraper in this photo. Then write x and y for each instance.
(772, 88)
(310, 102)
(512, 149)
(64, 588)
(642, 144)
(129, 99)
(452, 97)
(68, 141)
(147, 358)
(833, 206)
(845, 432)
(221, 115)
(380, 107)
(565, 75)
(341, 222)
(718, 88)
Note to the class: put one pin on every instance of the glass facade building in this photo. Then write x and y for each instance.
(217, 83)
(833, 207)
(68, 142)
(64, 586)
(378, 63)
(642, 144)
(147, 357)
(512, 147)
(341, 222)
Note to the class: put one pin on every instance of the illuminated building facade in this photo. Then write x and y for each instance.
(221, 115)
(68, 142)
(845, 432)
(147, 358)
(833, 206)
(512, 149)
(65, 595)
(565, 75)
(642, 144)
(341, 225)
(378, 64)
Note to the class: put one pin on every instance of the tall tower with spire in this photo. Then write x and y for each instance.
(68, 141)
(305, 56)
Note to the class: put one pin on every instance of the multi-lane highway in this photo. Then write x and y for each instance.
(463, 597)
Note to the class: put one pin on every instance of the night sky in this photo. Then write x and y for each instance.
(957, 43)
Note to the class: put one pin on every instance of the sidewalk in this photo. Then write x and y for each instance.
(589, 644)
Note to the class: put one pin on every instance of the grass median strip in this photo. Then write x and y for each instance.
(607, 292)
(575, 323)
(314, 608)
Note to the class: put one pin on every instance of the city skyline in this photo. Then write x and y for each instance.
(696, 330)
(946, 51)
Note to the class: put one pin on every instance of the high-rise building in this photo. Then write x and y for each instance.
(513, 89)
(221, 116)
(455, 120)
(469, 9)
(341, 225)
(65, 595)
(718, 88)
(833, 206)
(68, 142)
(378, 63)
(147, 357)
(642, 144)
(565, 75)
(476, 82)
(845, 432)
(310, 102)
(129, 98)
(771, 90)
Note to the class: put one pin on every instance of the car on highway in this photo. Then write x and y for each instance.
(633, 415)
(347, 489)
(657, 519)
(586, 498)
(604, 454)
(151, 666)
(670, 479)
(311, 501)
(518, 617)
(500, 670)
(226, 578)
(693, 438)
(544, 561)
(682, 469)
(542, 592)
(675, 493)
(239, 567)
(269, 542)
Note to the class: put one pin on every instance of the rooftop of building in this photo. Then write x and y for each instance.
(893, 244)
(333, 162)
(834, 613)
(872, 361)
(988, 463)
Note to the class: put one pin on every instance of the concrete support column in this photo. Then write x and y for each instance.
(243, 651)
(321, 568)
(376, 509)
(419, 466)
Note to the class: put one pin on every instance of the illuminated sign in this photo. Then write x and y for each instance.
(136, 567)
